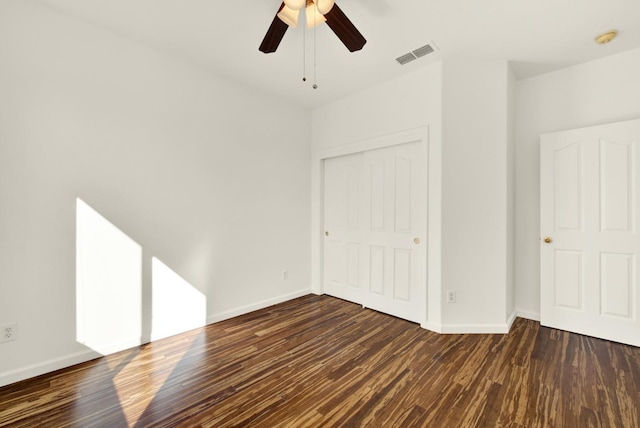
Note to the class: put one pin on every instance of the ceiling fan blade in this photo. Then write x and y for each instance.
(274, 35)
(344, 29)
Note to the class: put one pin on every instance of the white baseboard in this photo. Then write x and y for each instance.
(472, 328)
(256, 306)
(468, 328)
(7, 378)
(475, 329)
(511, 320)
(530, 315)
(431, 326)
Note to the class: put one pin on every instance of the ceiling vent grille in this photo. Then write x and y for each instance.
(406, 58)
(425, 50)
(418, 53)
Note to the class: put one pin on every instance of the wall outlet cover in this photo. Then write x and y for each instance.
(8, 332)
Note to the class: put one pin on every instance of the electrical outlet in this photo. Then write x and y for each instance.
(285, 274)
(8, 332)
(451, 296)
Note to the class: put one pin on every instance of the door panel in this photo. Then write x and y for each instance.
(353, 201)
(402, 275)
(616, 282)
(403, 200)
(568, 185)
(616, 182)
(335, 266)
(568, 283)
(377, 195)
(353, 264)
(589, 185)
(377, 263)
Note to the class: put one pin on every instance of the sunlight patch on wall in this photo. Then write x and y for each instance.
(108, 284)
(177, 306)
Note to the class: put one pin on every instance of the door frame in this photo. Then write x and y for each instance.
(430, 271)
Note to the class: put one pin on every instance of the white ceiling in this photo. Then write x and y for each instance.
(537, 36)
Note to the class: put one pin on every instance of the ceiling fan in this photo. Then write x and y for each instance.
(317, 12)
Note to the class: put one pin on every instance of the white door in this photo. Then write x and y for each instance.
(375, 229)
(590, 243)
(343, 212)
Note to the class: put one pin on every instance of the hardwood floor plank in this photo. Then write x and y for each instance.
(319, 361)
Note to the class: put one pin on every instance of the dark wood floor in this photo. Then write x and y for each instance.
(319, 361)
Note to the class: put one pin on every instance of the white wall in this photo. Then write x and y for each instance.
(408, 102)
(202, 174)
(475, 195)
(593, 93)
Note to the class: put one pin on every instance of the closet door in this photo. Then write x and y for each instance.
(343, 214)
(375, 229)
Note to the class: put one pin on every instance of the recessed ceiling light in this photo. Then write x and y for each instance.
(606, 37)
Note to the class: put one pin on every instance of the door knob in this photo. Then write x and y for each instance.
(326, 233)
(416, 241)
(548, 239)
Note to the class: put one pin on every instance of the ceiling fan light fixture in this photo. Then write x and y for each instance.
(295, 4)
(314, 17)
(324, 6)
(289, 16)
(336, 20)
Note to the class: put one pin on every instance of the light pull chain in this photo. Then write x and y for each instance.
(315, 44)
(304, 48)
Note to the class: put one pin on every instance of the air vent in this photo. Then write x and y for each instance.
(406, 58)
(425, 50)
(418, 53)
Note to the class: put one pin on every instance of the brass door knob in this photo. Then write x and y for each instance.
(548, 240)
(326, 233)
(416, 241)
